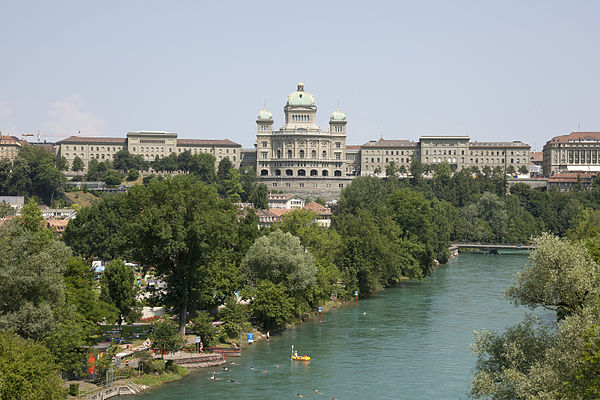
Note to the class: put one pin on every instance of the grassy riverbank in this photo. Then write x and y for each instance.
(151, 380)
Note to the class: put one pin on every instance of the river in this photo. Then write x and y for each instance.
(407, 342)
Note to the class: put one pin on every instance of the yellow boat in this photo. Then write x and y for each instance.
(301, 358)
(296, 357)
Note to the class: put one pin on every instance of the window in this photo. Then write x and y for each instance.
(324, 154)
(274, 184)
(313, 154)
(338, 145)
(264, 144)
(301, 184)
(289, 154)
(301, 153)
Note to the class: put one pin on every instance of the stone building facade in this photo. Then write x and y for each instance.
(147, 144)
(300, 157)
(458, 151)
(9, 147)
(577, 151)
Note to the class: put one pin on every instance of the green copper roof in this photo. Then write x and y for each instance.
(265, 114)
(300, 98)
(338, 116)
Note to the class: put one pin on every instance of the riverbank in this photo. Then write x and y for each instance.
(150, 381)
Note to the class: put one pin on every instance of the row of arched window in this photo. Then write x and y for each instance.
(301, 172)
(313, 154)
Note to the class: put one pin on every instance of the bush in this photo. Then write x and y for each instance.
(133, 174)
(203, 328)
(74, 389)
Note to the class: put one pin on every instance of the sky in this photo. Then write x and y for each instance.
(496, 71)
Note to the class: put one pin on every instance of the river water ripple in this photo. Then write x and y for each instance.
(412, 343)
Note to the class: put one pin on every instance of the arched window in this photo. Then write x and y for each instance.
(278, 153)
(264, 172)
(314, 172)
(324, 154)
(289, 172)
(301, 172)
(337, 173)
(325, 172)
(277, 172)
(313, 154)
(301, 153)
(289, 154)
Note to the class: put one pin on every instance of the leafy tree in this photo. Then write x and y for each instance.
(118, 288)
(232, 185)
(32, 290)
(44, 179)
(280, 258)
(320, 201)
(260, 197)
(133, 175)
(511, 170)
(6, 209)
(249, 183)
(77, 164)
(165, 338)
(203, 327)
(523, 170)
(112, 177)
(233, 314)
(271, 305)
(225, 166)
(27, 370)
(561, 277)
(182, 228)
(62, 164)
(203, 166)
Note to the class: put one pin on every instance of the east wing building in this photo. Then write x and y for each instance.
(9, 147)
(147, 144)
(577, 151)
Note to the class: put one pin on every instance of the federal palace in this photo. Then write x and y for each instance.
(300, 157)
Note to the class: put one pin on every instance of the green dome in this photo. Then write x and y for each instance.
(338, 116)
(265, 114)
(300, 98)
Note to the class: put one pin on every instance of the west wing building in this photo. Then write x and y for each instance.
(147, 144)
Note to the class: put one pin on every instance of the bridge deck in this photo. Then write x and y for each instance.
(491, 246)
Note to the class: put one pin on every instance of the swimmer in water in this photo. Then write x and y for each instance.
(299, 395)
(251, 367)
(225, 369)
(364, 313)
(276, 365)
(317, 391)
(265, 371)
(232, 381)
(212, 377)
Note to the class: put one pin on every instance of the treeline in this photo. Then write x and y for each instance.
(483, 208)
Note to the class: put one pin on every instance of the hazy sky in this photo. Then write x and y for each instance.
(502, 70)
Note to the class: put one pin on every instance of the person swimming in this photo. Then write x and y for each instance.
(225, 369)
(299, 395)
(265, 371)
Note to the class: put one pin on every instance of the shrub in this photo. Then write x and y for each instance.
(74, 389)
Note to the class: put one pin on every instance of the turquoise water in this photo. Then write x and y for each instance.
(412, 343)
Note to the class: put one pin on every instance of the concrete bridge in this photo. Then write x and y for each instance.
(492, 248)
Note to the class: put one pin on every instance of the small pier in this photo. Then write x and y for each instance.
(491, 248)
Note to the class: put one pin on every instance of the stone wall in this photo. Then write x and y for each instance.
(327, 188)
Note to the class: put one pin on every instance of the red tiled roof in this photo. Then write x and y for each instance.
(80, 139)
(571, 176)
(352, 147)
(576, 136)
(317, 208)
(536, 156)
(278, 212)
(202, 142)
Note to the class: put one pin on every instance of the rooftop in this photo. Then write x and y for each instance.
(516, 143)
(571, 176)
(577, 137)
(389, 143)
(80, 139)
(202, 142)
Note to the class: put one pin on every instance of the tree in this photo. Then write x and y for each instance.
(6, 209)
(232, 185)
(62, 164)
(133, 175)
(225, 166)
(280, 258)
(511, 170)
(523, 170)
(233, 314)
(118, 288)
(77, 164)
(271, 305)
(203, 166)
(184, 230)
(32, 291)
(260, 197)
(203, 327)
(27, 370)
(165, 338)
(112, 177)
(561, 277)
